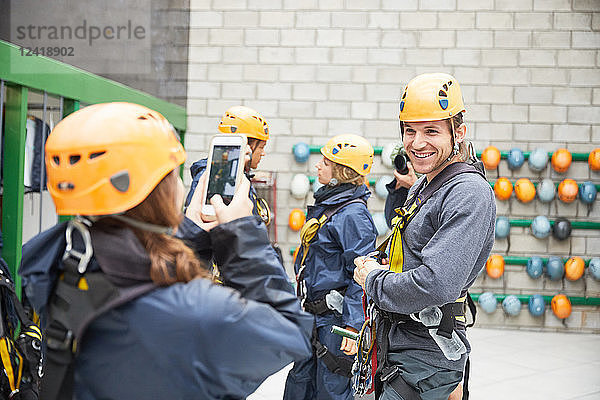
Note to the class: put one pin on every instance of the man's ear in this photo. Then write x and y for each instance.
(461, 133)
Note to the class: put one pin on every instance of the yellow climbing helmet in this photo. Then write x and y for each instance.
(431, 97)
(244, 121)
(350, 150)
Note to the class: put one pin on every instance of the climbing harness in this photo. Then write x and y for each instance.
(21, 358)
(80, 296)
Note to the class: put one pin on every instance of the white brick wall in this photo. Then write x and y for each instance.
(530, 72)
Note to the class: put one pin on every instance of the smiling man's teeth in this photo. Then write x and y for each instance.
(423, 155)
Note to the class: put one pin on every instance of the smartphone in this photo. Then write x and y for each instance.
(225, 168)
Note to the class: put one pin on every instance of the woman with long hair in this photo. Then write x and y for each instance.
(126, 309)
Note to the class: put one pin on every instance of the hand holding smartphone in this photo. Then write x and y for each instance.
(224, 169)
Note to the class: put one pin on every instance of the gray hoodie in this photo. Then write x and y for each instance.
(445, 246)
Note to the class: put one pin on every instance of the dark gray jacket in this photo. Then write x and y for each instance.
(445, 246)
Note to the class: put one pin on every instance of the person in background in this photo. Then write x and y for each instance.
(339, 228)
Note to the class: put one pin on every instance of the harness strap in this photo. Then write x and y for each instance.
(394, 378)
(338, 365)
(79, 298)
(310, 229)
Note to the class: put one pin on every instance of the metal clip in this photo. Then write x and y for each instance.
(81, 225)
(389, 373)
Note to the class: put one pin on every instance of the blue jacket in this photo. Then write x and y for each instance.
(349, 233)
(195, 340)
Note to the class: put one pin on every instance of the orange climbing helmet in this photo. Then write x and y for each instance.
(503, 188)
(561, 306)
(594, 160)
(574, 268)
(431, 97)
(351, 150)
(567, 190)
(243, 120)
(490, 157)
(107, 158)
(561, 160)
(524, 190)
(495, 266)
(296, 219)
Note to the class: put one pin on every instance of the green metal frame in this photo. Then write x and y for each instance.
(535, 184)
(524, 298)
(75, 86)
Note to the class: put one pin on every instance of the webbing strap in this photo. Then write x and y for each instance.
(312, 226)
(72, 308)
(338, 365)
(413, 205)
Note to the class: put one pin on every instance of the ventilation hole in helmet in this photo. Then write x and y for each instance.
(65, 186)
(142, 117)
(352, 145)
(74, 158)
(444, 103)
(445, 87)
(401, 105)
(266, 130)
(56, 160)
(120, 181)
(233, 129)
(442, 94)
(404, 95)
(96, 154)
(335, 151)
(365, 166)
(449, 83)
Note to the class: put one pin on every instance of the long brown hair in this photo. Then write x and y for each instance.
(171, 260)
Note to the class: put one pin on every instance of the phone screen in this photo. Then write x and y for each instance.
(223, 169)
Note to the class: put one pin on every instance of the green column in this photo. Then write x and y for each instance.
(14, 162)
(69, 106)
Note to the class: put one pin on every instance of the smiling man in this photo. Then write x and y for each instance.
(443, 233)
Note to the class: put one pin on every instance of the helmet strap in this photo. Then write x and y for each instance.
(145, 226)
